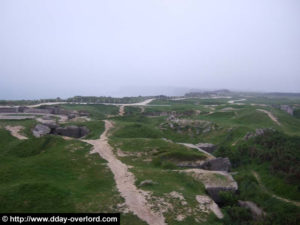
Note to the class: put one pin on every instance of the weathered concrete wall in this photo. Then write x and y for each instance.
(8, 110)
(34, 110)
(287, 109)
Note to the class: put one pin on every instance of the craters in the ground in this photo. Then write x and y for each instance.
(174, 203)
(258, 132)
(192, 127)
(214, 181)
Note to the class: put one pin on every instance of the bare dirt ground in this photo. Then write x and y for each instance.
(273, 195)
(135, 199)
(14, 130)
(272, 117)
(122, 110)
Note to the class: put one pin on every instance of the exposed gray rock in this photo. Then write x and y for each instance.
(218, 164)
(40, 130)
(208, 147)
(254, 209)
(258, 132)
(287, 109)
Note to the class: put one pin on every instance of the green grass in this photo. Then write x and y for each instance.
(278, 212)
(28, 125)
(96, 128)
(50, 174)
(97, 111)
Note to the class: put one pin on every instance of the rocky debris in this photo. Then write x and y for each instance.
(40, 130)
(193, 127)
(287, 109)
(176, 194)
(207, 202)
(146, 183)
(179, 196)
(254, 209)
(208, 147)
(72, 131)
(258, 132)
(214, 182)
(217, 164)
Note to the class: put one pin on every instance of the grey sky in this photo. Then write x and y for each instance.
(51, 48)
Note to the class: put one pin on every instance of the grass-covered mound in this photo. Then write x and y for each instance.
(50, 174)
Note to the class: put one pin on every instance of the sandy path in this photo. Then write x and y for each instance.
(273, 195)
(272, 117)
(135, 199)
(122, 110)
(14, 130)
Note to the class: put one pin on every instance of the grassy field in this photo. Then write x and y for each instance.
(50, 174)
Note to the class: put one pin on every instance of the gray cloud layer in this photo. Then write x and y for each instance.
(62, 48)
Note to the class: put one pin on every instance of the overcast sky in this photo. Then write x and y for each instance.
(51, 48)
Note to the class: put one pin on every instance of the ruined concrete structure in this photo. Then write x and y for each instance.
(43, 110)
(287, 109)
(69, 131)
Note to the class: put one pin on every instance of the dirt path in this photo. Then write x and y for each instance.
(14, 130)
(122, 110)
(209, 156)
(135, 199)
(272, 117)
(273, 195)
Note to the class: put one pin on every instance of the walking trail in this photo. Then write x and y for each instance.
(135, 199)
(122, 106)
(273, 195)
(14, 130)
(272, 117)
